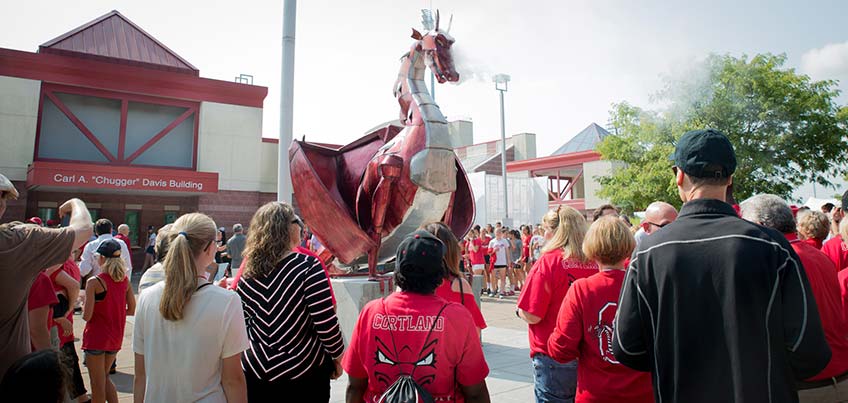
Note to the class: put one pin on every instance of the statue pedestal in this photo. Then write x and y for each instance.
(352, 293)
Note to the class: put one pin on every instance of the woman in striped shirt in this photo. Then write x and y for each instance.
(296, 342)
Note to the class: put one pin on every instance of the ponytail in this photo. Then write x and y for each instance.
(191, 234)
(115, 268)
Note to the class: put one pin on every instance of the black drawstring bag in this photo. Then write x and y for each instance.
(405, 389)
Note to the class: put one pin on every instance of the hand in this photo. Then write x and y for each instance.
(68, 207)
(337, 370)
(65, 324)
(223, 283)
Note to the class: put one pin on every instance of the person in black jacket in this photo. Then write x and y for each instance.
(718, 309)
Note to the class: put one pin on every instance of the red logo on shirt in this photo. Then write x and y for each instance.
(389, 363)
(603, 331)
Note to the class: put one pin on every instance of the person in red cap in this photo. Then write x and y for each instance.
(35, 220)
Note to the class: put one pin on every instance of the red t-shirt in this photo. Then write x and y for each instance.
(544, 291)
(125, 239)
(451, 357)
(478, 256)
(105, 330)
(525, 251)
(41, 294)
(445, 291)
(837, 252)
(843, 288)
(73, 270)
(584, 331)
(824, 283)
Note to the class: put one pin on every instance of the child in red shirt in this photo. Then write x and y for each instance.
(108, 300)
(584, 328)
(40, 306)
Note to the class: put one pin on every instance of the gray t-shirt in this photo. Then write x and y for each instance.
(235, 247)
(25, 250)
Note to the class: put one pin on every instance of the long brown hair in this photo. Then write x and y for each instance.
(570, 230)
(445, 234)
(190, 235)
(269, 240)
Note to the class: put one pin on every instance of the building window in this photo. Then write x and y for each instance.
(170, 217)
(86, 125)
(131, 219)
(47, 213)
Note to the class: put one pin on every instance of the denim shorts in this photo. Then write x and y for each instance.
(554, 382)
(99, 352)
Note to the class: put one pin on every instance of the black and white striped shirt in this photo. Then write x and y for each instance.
(290, 320)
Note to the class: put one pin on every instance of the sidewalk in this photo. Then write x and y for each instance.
(505, 346)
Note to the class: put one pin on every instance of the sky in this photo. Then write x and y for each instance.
(569, 60)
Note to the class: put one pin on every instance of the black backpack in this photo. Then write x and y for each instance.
(405, 389)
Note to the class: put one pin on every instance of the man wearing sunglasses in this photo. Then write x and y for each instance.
(657, 215)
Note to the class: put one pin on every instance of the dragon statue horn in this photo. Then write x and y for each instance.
(437, 20)
(450, 23)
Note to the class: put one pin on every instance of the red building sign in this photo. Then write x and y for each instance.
(90, 176)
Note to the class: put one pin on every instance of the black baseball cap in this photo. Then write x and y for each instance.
(705, 153)
(109, 248)
(421, 251)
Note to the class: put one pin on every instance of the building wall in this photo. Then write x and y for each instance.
(18, 120)
(525, 146)
(268, 168)
(461, 133)
(228, 207)
(591, 172)
(229, 143)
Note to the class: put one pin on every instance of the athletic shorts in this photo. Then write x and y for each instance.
(99, 352)
(500, 266)
(478, 267)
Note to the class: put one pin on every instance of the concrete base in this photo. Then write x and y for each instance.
(353, 293)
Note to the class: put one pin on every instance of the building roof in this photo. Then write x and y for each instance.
(586, 140)
(116, 38)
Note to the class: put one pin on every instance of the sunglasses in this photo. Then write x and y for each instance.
(298, 221)
(657, 225)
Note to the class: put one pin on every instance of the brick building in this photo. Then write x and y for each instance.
(109, 114)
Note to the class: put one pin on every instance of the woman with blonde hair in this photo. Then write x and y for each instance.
(562, 262)
(296, 344)
(189, 336)
(585, 321)
(109, 299)
(455, 287)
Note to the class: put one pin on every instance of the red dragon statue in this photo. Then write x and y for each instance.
(361, 199)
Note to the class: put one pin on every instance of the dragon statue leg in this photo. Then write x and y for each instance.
(389, 169)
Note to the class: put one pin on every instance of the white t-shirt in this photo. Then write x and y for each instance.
(500, 246)
(183, 359)
(537, 241)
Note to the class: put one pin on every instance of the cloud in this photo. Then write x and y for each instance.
(827, 62)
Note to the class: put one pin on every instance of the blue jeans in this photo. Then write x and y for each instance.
(554, 382)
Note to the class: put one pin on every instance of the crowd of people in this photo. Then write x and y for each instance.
(716, 302)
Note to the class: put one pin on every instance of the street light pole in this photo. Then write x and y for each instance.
(284, 186)
(501, 84)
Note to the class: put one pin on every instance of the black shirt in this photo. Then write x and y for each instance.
(719, 310)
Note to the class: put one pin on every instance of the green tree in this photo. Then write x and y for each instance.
(786, 130)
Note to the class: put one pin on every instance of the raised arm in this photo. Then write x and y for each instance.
(80, 220)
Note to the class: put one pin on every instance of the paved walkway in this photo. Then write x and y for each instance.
(504, 345)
